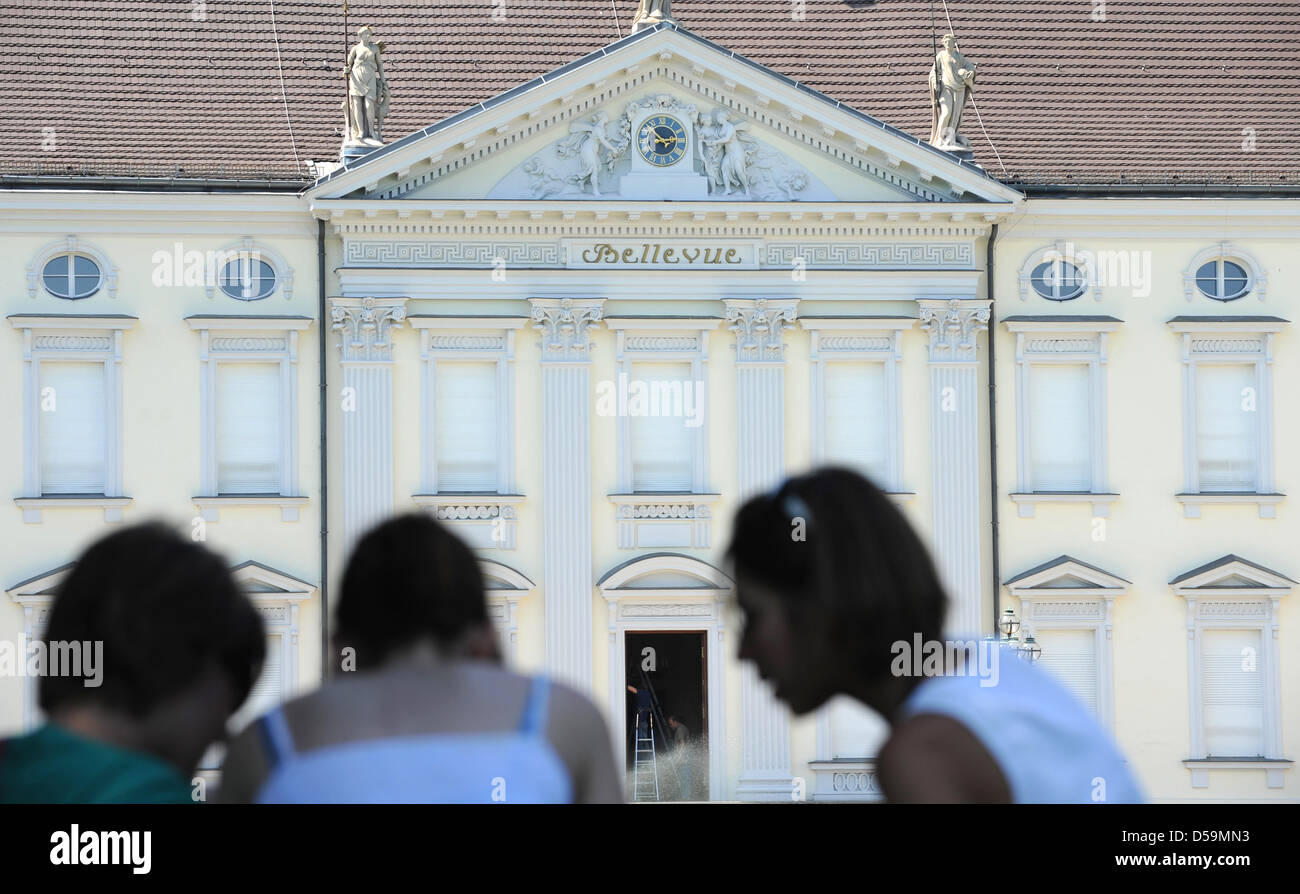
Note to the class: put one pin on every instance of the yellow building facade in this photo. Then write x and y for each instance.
(584, 369)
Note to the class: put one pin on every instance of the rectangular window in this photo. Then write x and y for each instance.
(662, 444)
(1060, 414)
(857, 419)
(467, 411)
(249, 428)
(1232, 692)
(269, 689)
(1227, 427)
(1072, 656)
(73, 428)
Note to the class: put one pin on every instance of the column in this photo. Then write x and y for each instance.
(760, 436)
(365, 326)
(955, 445)
(566, 484)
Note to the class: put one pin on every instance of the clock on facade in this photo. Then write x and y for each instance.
(662, 140)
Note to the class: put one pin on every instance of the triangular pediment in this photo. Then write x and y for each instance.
(40, 588)
(264, 582)
(1231, 574)
(1065, 574)
(663, 115)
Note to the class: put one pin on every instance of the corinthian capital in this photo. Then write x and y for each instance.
(365, 326)
(566, 326)
(953, 325)
(759, 324)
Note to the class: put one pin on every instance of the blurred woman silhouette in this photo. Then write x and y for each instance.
(837, 591)
(429, 715)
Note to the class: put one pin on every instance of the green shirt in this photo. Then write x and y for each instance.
(52, 766)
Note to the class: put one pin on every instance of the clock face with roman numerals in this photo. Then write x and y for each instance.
(662, 140)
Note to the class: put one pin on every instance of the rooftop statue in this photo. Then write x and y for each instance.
(367, 102)
(651, 12)
(951, 80)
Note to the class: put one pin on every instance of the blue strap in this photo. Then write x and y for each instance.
(276, 738)
(534, 721)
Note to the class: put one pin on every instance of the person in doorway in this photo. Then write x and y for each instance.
(429, 715)
(170, 648)
(683, 753)
(836, 588)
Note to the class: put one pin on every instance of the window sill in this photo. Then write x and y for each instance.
(210, 507)
(664, 519)
(483, 520)
(32, 507)
(1027, 503)
(1273, 768)
(845, 779)
(1267, 503)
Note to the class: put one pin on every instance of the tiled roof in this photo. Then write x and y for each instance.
(251, 89)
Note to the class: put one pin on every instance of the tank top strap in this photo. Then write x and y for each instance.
(533, 722)
(276, 738)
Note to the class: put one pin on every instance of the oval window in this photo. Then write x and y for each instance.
(1223, 280)
(1058, 280)
(248, 278)
(71, 276)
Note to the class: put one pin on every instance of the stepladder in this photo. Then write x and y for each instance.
(645, 764)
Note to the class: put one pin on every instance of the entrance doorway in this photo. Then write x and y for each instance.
(666, 679)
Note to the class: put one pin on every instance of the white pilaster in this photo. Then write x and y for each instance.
(954, 326)
(365, 326)
(566, 484)
(760, 434)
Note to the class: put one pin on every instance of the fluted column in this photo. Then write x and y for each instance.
(566, 484)
(760, 434)
(365, 326)
(955, 405)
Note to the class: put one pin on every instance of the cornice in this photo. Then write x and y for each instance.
(359, 217)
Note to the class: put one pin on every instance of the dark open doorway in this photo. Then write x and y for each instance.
(669, 671)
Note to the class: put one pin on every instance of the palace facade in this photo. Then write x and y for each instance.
(583, 320)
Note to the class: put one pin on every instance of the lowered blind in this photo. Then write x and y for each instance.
(466, 408)
(73, 428)
(1232, 693)
(268, 691)
(1060, 413)
(1072, 656)
(1227, 429)
(662, 445)
(857, 419)
(249, 426)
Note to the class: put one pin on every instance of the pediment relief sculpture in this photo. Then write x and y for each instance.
(664, 139)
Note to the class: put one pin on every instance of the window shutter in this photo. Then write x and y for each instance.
(857, 422)
(1060, 424)
(1071, 655)
(73, 428)
(1226, 433)
(466, 408)
(1232, 693)
(268, 691)
(662, 445)
(249, 426)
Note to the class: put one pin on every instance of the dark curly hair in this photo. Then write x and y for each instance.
(860, 564)
(408, 578)
(166, 608)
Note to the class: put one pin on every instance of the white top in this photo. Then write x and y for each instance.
(1048, 745)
